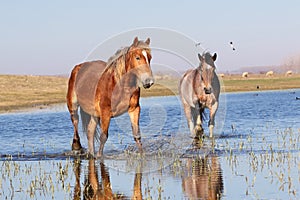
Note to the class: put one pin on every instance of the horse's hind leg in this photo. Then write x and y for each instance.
(76, 139)
(212, 115)
(189, 116)
(73, 109)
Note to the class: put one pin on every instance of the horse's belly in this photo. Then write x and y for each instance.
(86, 84)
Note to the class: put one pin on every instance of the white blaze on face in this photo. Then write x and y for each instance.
(146, 56)
(208, 67)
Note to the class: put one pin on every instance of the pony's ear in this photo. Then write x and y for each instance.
(147, 41)
(214, 57)
(135, 41)
(200, 57)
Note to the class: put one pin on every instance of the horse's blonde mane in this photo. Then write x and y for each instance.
(116, 62)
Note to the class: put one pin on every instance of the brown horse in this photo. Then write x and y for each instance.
(199, 89)
(105, 90)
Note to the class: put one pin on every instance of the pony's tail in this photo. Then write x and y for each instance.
(85, 120)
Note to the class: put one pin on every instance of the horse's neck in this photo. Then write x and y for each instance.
(197, 82)
(126, 80)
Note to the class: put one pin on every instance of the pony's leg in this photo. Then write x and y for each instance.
(197, 116)
(198, 128)
(134, 114)
(91, 129)
(104, 124)
(190, 121)
(212, 114)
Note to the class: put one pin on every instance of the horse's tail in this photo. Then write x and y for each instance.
(85, 120)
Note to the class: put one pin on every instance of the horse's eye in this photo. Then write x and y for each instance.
(138, 58)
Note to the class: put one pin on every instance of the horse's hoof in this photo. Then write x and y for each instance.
(79, 152)
(197, 142)
(76, 146)
(99, 155)
(90, 156)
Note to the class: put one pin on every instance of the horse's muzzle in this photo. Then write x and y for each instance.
(207, 90)
(148, 83)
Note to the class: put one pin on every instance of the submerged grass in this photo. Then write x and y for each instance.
(263, 170)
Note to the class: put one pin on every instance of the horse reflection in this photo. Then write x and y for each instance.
(95, 190)
(203, 178)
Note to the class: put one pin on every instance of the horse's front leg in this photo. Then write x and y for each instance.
(212, 115)
(91, 129)
(197, 117)
(134, 114)
(104, 124)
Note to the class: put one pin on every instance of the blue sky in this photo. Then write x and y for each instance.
(50, 37)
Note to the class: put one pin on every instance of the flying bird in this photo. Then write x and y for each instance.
(198, 44)
(231, 45)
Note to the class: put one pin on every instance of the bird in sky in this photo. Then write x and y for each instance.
(198, 44)
(231, 45)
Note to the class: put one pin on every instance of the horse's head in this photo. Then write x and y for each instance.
(138, 61)
(207, 70)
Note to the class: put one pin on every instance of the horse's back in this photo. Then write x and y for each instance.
(86, 84)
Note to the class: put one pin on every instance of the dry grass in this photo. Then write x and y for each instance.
(234, 83)
(18, 92)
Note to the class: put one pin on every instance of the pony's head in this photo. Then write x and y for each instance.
(207, 70)
(138, 61)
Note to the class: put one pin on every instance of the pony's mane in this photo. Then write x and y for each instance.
(116, 62)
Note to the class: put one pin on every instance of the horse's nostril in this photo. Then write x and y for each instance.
(148, 83)
(207, 90)
(151, 82)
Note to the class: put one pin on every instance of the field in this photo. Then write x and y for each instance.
(25, 91)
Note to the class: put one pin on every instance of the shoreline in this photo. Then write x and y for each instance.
(26, 92)
(48, 106)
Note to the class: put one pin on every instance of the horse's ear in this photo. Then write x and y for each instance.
(147, 41)
(200, 57)
(214, 57)
(135, 41)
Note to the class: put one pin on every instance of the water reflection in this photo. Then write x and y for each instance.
(202, 178)
(95, 189)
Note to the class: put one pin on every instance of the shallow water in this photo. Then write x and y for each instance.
(255, 153)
